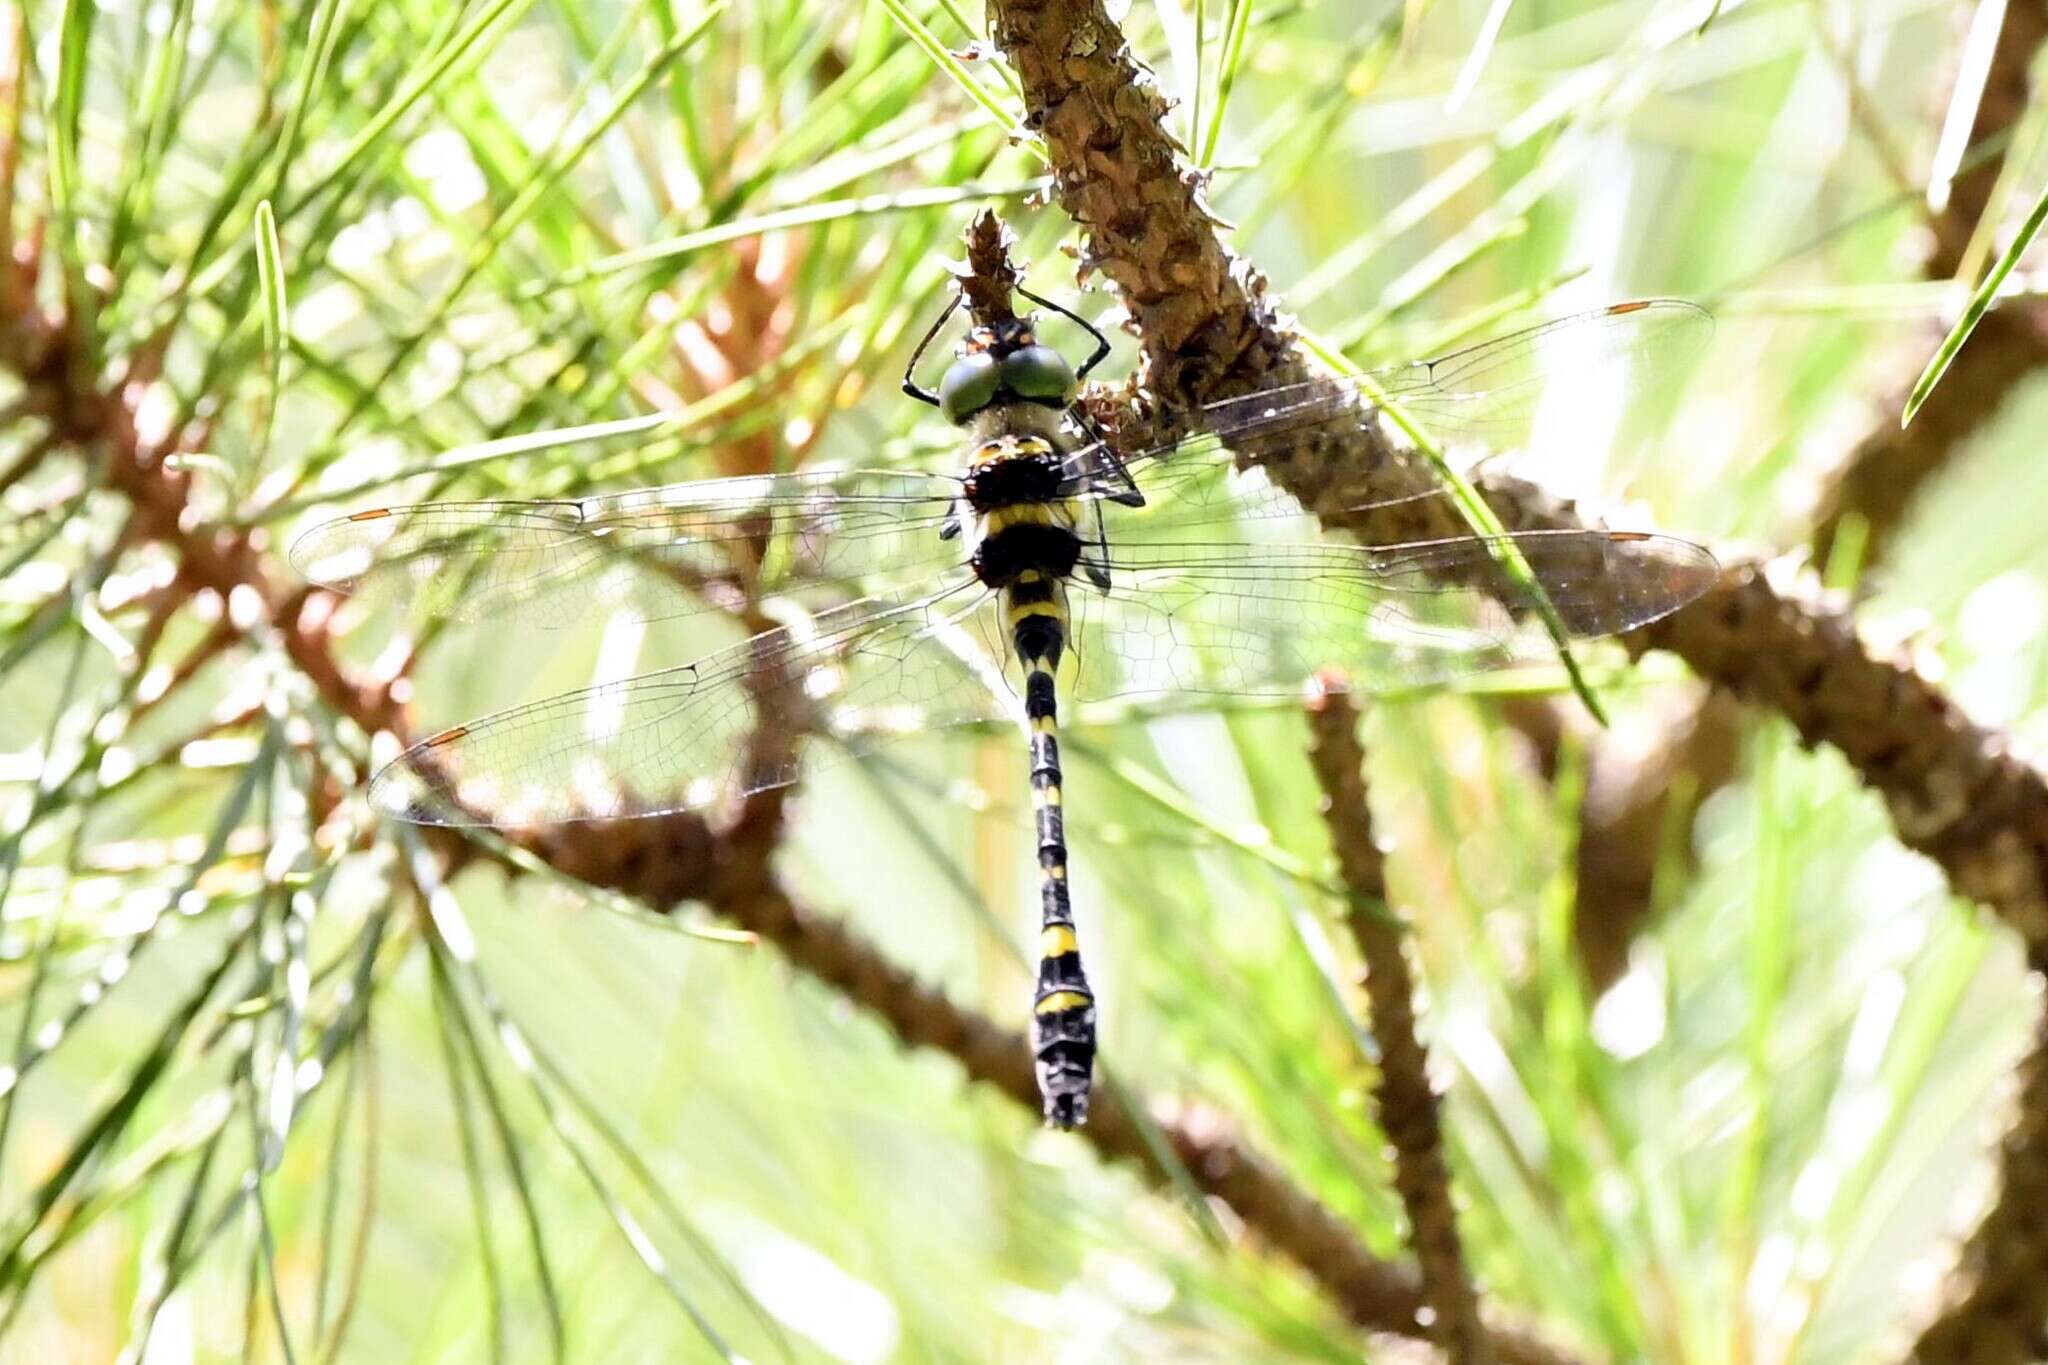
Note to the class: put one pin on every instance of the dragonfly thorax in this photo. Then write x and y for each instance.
(1021, 521)
(1009, 470)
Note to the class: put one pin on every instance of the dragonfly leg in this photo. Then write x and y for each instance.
(1063, 1009)
(1125, 492)
(1097, 569)
(1101, 342)
(910, 384)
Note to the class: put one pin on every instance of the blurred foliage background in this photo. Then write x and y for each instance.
(264, 1103)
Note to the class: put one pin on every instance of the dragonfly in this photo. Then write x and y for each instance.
(1053, 565)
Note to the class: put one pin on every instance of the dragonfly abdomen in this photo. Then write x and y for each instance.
(1063, 1009)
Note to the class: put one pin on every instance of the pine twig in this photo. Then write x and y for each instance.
(1409, 1113)
(990, 279)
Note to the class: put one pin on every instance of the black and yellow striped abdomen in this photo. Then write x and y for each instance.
(1025, 548)
(1063, 1010)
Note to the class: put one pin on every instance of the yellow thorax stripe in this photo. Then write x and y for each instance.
(1009, 446)
(1022, 514)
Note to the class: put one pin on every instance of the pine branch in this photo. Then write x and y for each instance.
(1208, 332)
(1765, 633)
(1408, 1105)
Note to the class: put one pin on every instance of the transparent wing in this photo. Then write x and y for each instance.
(649, 553)
(1179, 619)
(1251, 619)
(687, 738)
(1484, 396)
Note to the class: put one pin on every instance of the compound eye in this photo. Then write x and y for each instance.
(1038, 372)
(968, 386)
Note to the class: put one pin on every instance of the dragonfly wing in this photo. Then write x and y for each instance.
(729, 724)
(1260, 619)
(648, 553)
(1479, 399)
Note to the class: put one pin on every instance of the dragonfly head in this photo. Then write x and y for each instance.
(1004, 362)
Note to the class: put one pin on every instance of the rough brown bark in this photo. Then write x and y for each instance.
(1201, 311)
(1408, 1108)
